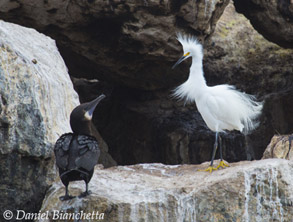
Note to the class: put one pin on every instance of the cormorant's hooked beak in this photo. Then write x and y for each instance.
(180, 60)
(90, 108)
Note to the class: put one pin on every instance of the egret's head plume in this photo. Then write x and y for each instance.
(191, 46)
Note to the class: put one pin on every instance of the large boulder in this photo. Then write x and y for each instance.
(36, 99)
(273, 19)
(280, 147)
(129, 43)
(246, 191)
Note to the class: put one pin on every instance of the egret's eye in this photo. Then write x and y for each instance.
(186, 54)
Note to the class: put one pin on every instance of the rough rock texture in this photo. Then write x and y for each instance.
(145, 126)
(247, 191)
(129, 43)
(280, 147)
(238, 54)
(36, 97)
(148, 126)
(273, 19)
(105, 158)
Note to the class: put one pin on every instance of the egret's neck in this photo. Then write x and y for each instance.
(196, 75)
(195, 86)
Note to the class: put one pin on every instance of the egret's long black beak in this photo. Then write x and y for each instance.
(179, 61)
(90, 108)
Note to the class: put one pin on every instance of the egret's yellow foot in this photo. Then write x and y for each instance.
(209, 169)
(222, 164)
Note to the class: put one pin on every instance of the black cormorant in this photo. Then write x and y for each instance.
(77, 153)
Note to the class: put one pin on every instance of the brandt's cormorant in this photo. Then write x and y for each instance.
(77, 153)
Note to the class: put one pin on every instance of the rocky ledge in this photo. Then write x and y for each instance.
(245, 191)
(128, 43)
(273, 19)
(280, 147)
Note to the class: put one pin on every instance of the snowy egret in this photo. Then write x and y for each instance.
(222, 107)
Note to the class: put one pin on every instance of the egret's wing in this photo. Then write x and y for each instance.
(208, 109)
(232, 109)
(215, 109)
(89, 152)
(219, 107)
(61, 149)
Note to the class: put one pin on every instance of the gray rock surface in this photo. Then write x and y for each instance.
(247, 191)
(273, 19)
(280, 147)
(129, 43)
(36, 98)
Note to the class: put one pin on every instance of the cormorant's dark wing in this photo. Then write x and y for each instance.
(89, 152)
(61, 150)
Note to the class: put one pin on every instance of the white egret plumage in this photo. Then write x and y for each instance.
(222, 107)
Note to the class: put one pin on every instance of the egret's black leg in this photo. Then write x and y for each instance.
(66, 196)
(222, 162)
(221, 147)
(211, 168)
(215, 149)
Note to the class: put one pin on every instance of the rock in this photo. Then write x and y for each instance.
(143, 126)
(239, 55)
(129, 43)
(279, 147)
(105, 158)
(273, 19)
(36, 98)
(246, 191)
(236, 53)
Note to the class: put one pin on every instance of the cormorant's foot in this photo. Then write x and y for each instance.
(84, 194)
(222, 164)
(209, 169)
(66, 197)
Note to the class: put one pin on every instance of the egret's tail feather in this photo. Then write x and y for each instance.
(250, 111)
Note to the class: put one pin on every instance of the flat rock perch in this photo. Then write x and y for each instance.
(246, 191)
